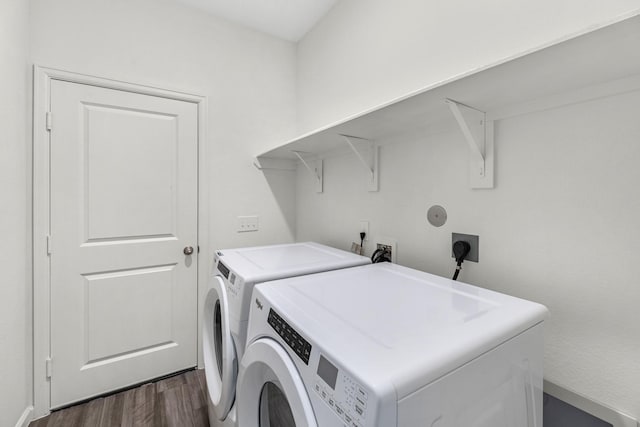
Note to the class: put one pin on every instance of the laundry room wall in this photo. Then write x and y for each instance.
(15, 294)
(560, 227)
(247, 77)
(368, 52)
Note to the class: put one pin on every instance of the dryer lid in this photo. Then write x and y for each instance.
(412, 326)
(262, 263)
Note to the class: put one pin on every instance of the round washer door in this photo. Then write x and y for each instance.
(270, 391)
(220, 360)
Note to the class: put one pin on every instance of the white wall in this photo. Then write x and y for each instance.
(560, 227)
(367, 52)
(247, 77)
(15, 296)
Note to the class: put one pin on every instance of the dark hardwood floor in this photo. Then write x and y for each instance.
(178, 401)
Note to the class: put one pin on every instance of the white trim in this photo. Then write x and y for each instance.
(40, 231)
(26, 417)
(597, 409)
(41, 310)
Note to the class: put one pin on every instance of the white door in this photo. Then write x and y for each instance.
(123, 217)
(270, 392)
(220, 360)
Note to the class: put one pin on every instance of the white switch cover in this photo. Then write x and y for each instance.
(247, 223)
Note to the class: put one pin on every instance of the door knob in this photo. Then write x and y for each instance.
(188, 250)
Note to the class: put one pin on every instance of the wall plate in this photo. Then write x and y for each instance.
(392, 243)
(473, 240)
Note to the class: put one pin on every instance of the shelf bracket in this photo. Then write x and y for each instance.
(478, 132)
(315, 169)
(370, 165)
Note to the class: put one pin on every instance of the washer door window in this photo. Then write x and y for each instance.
(274, 407)
(270, 390)
(220, 360)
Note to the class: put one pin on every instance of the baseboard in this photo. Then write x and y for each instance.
(25, 419)
(597, 409)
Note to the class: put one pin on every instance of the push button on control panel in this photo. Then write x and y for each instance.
(361, 393)
(349, 405)
(293, 339)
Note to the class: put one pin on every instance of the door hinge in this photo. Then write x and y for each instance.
(49, 367)
(48, 244)
(49, 121)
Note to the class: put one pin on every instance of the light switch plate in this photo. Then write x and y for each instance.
(247, 223)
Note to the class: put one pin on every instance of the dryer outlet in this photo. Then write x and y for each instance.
(474, 242)
(390, 245)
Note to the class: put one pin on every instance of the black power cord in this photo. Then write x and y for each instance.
(460, 250)
(362, 236)
(381, 255)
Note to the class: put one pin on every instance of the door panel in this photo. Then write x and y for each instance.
(143, 298)
(122, 140)
(123, 207)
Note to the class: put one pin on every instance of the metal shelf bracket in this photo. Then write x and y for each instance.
(478, 132)
(370, 165)
(315, 170)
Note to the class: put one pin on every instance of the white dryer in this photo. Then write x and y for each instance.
(235, 272)
(383, 346)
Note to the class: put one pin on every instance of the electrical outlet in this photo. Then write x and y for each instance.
(364, 227)
(247, 223)
(356, 248)
(474, 242)
(390, 245)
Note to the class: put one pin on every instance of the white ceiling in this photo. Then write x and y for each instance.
(286, 19)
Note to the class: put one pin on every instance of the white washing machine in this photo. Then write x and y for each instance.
(235, 272)
(384, 345)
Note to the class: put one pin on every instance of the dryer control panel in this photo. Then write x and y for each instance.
(343, 394)
(293, 339)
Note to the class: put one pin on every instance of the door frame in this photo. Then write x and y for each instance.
(43, 78)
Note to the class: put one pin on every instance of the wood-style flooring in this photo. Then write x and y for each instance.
(178, 401)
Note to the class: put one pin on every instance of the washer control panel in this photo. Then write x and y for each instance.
(341, 393)
(233, 282)
(293, 339)
(223, 269)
